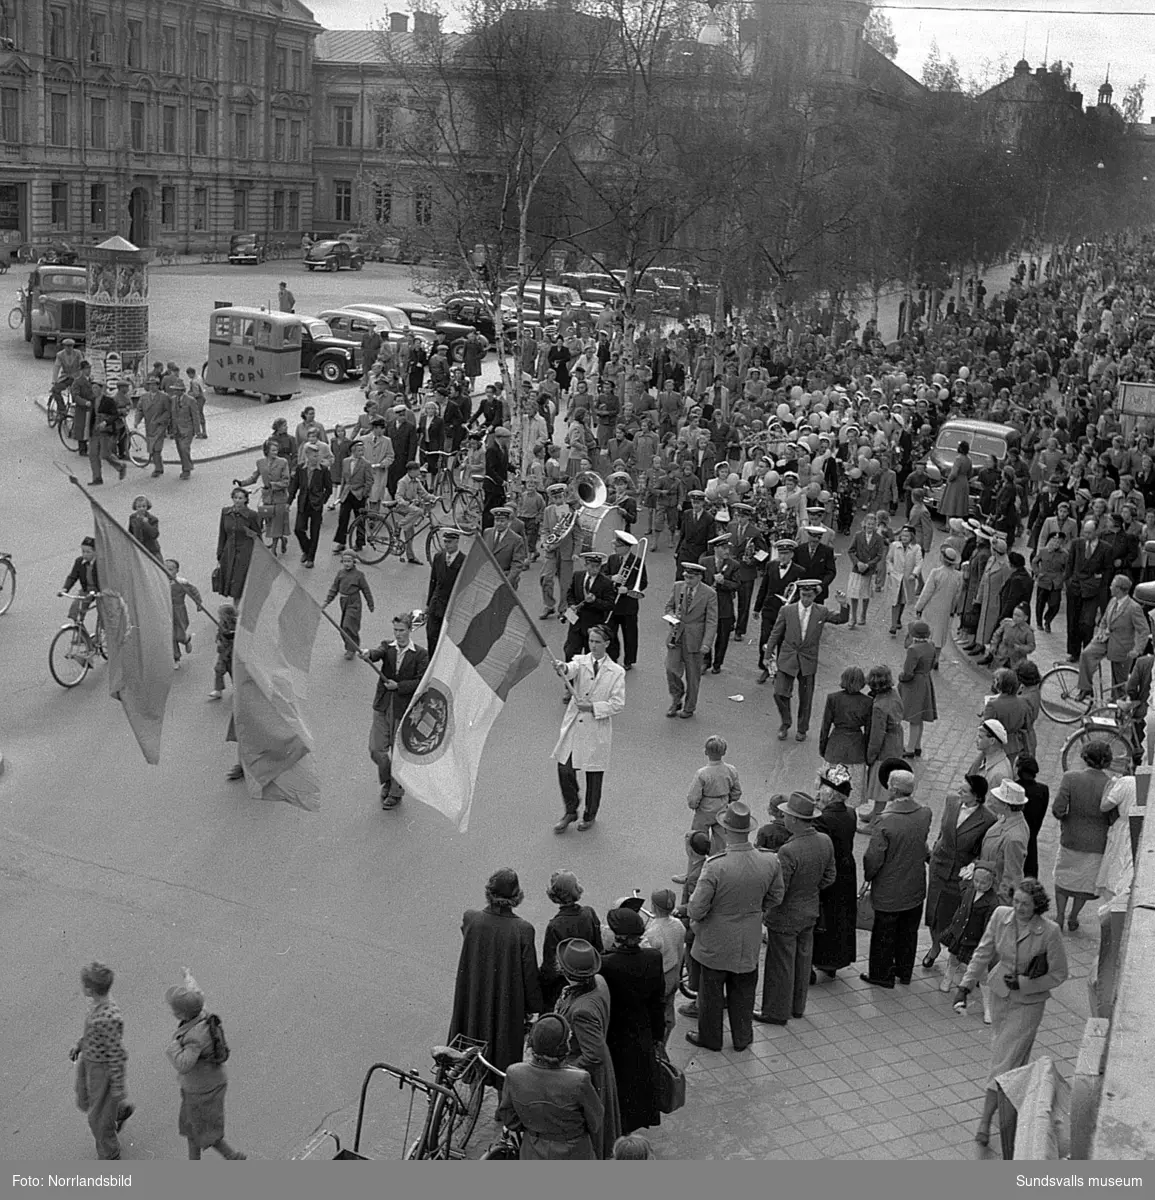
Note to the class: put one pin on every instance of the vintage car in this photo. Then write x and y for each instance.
(390, 321)
(55, 307)
(246, 248)
(988, 443)
(332, 256)
(326, 354)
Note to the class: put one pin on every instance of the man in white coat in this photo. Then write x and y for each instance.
(599, 692)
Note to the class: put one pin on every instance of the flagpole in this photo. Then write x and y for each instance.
(157, 562)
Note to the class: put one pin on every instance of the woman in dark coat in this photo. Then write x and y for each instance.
(884, 739)
(415, 373)
(634, 975)
(558, 358)
(958, 842)
(916, 686)
(497, 983)
(234, 546)
(845, 722)
(1038, 801)
(573, 920)
(836, 935)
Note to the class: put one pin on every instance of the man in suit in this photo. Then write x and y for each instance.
(694, 607)
(311, 486)
(722, 576)
(746, 541)
(807, 863)
(597, 694)
(815, 560)
(794, 640)
(778, 582)
(626, 570)
(402, 665)
(443, 574)
(356, 483)
(1120, 638)
(508, 547)
(558, 561)
(694, 532)
(402, 434)
(733, 890)
(1088, 562)
(592, 597)
(496, 473)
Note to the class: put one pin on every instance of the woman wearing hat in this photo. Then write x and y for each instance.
(940, 598)
(554, 1104)
(572, 920)
(1005, 842)
(585, 1004)
(1083, 831)
(970, 606)
(996, 573)
(884, 737)
(836, 935)
(636, 982)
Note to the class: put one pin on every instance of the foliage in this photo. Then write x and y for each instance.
(1131, 105)
(879, 33)
(941, 72)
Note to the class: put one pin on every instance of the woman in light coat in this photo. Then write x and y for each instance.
(998, 571)
(903, 563)
(273, 473)
(941, 598)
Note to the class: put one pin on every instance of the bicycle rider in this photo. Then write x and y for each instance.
(413, 502)
(86, 573)
(65, 367)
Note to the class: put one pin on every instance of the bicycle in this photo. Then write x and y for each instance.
(466, 505)
(73, 650)
(380, 533)
(1060, 696)
(452, 1114)
(7, 581)
(56, 407)
(1110, 723)
(16, 316)
(166, 256)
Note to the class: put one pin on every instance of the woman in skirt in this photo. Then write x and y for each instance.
(273, 473)
(1083, 836)
(916, 687)
(866, 554)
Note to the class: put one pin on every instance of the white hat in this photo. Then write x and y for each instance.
(628, 539)
(1010, 793)
(996, 729)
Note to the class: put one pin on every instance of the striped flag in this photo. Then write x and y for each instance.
(276, 627)
(488, 644)
(136, 609)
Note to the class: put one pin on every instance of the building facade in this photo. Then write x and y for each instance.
(171, 124)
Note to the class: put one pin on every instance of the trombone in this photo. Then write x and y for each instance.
(629, 580)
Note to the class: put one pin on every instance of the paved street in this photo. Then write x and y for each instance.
(329, 941)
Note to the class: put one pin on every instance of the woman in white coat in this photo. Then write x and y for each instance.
(598, 693)
(903, 563)
(940, 598)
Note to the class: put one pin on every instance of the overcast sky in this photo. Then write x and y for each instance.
(970, 30)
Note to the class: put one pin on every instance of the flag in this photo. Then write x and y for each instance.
(276, 628)
(488, 644)
(136, 609)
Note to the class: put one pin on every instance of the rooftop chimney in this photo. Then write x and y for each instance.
(425, 23)
(398, 22)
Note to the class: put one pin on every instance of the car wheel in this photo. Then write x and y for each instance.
(220, 391)
(333, 264)
(356, 265)
(332, 371)
(308, 266)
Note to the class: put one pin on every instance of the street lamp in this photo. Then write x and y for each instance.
(712, 33)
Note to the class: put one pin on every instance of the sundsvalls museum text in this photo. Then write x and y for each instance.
(1080, 1181)
(71, 1181)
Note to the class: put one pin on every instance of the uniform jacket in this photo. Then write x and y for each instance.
(442, 576)
(589, 736)
(733, 891)
(807, 863)
(895, 861)
(694, 534)
(413, 667)
(817, 562)
(1012, 950)
(745, 541)
(626, 603)
(509, 551)
(699, 622)
(724, 581)
(599, 605)
(772, 590)
(798, 655)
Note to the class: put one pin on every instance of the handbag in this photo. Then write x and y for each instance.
(865, 917)
(671, 1082)
(1038, 966)
(217, 579)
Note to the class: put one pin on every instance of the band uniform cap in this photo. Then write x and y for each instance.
(503, 510)
(810, 585)
(735, 817)
(816, 530)
(714, 541)
(1010, 793)
(451, 533)
(799, 805)
(697, 493)
(996, 729)
(578, 958)
(556, 489)
(594, 556)
(693, 566)
(785, 544)
(627, 539)
(739, 506)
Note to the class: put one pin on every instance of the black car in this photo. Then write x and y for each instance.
(468, 308)
(332, 256)
(324, 353)
(246, 248)
(442, 323)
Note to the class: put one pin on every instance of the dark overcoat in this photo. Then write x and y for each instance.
(588, 1013)
(956, 846)
(836, 937)
(637, 1021)
(235, 548)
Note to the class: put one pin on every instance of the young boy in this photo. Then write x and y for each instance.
(100, 1059)
(226, 634)
(350, 584)
(182, 590)
(715, 785)
(530, 507)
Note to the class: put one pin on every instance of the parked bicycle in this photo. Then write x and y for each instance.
(1060, 696)
(7, 581)
(74, 649)
(1110, 723)
(16, 316)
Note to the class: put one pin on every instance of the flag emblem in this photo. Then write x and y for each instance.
(428, 724)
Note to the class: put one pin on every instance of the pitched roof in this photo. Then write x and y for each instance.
(362, 45)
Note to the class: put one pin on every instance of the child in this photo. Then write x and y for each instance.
(226, 633)
(965, 931)
(530, 507)
(535, 472)
(144, 526)
(573, 920)
(715, 785)
(182, 590)
(1013, 641)
(350, 584)
(887, 534)
(665, 933)
(886, 485)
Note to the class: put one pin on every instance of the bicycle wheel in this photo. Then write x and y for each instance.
(429, 1144)
(1121, 749)
(375, 535)
(16, 317)
(433, 543)
(64, 429)
(68, 656)
(465, 1120)
(444, 490)
(7, 585)
(467, 509)
(137, 449)
(684, 979)
(55, 410)
(1059, 695)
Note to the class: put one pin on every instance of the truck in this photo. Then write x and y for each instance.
(55, 307)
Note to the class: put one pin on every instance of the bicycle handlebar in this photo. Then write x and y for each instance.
(77, 595)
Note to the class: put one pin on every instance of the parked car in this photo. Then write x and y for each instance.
(326, 354)
(438, 320)
(471, 308)
(643, 292)
(988, 441)
(246, 248)
(544, 301)
(332, 256)
(64, 312)
(393, 321)
(596, 290)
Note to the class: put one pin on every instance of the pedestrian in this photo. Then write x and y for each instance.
(866, 553)
(1083, 829)
(1024, 952)
(443, 572)
(310, 485)
(1005, 842)
(198, 1052)
(403, 665)
(1120, 637)
(182, 590)
(991, 762)
(101, 1060)
(226, 635)
(351, 585)
(1012, 642)
(274, 473)
(794, 644)
(144, 525)
(884, 739)
(956, 496)
(1036, 809)
(554, 1105)
(572, 920)
(196, 390)
(156, 407)
(961, 937)
(725, 912)
(903, 564)
(238, 524)
(715, 786)
(836, 934)
(895, 867)
(807, 868)
(597, 693)
(107, 433)
(845, 724)
(286, 301)
(666, 933)
(775, 590)
(356, 477)
(585, 1003)
(965, 821)
(626, 569)
(496, 473)
(722, 577)
(916, 687)
(1010, 710)
(692, 613)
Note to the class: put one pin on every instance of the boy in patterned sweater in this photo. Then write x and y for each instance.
(100, 1059)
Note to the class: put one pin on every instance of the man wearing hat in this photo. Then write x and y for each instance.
(379, 456)
(721, 574)
(496, 473)
(692, 613)
(597, 692)
(815, 559)
(807, 864)
(444, 569)
(746, 545)
(402, 434)
(156, 408)
(557, 560)
(725, 912)
(507, 546)
(895, 867)
(777, 588)
(1006, 842)
(591, 599)
(794, 641)
(694, 532)
(627, 572)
